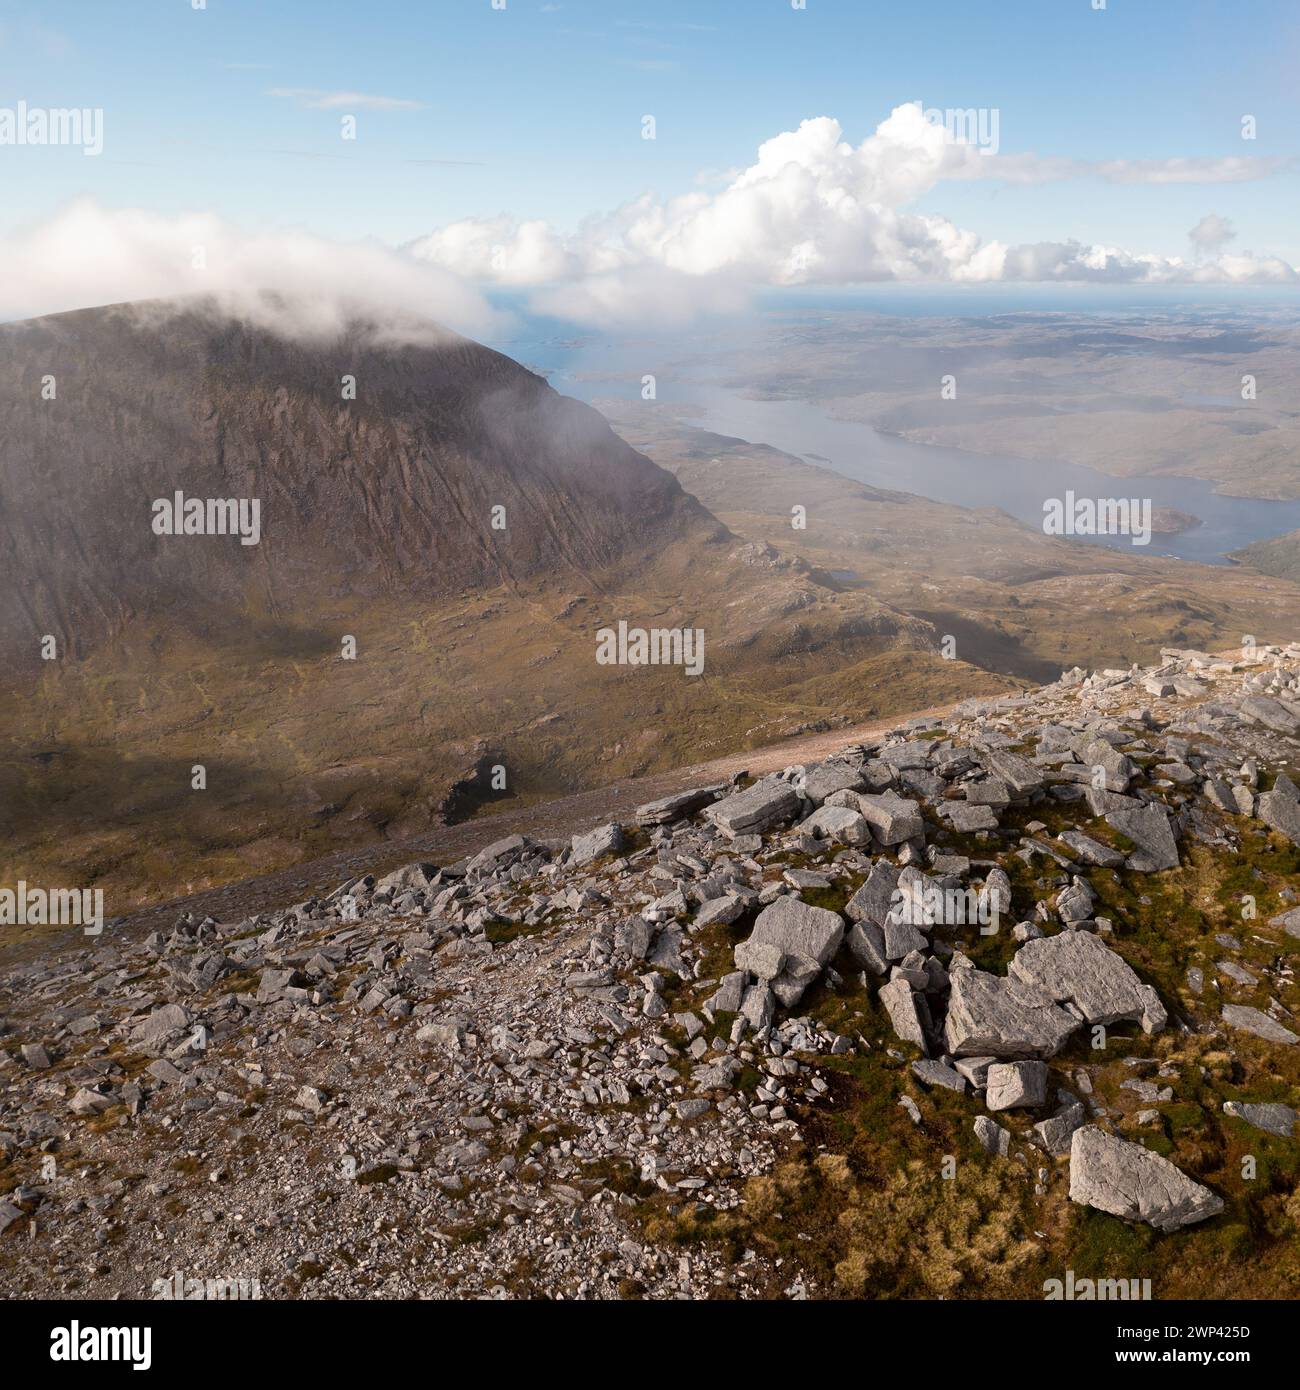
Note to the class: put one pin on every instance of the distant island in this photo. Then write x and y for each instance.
(1169, 521)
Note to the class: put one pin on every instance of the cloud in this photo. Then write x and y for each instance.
(1212, 233)
(89, 255)
(312, 99)
(814, 209)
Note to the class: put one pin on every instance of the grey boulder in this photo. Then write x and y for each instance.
(904, 1008)
(892, 818)
(1003, 1017)
(1016, 1085)
(1281, 813)
(1080, 969)
(1260, 1024)
(757, 808)
(828, 778)
(873, 901)
(605, 839)
(1270, 1116)
(841, 823)
(993, 1139)
(1151, 833)
(1135, 1184)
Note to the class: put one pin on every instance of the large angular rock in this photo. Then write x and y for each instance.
(1281, 813)
(994, 1140)
(904, 1008)
(866, 943)
(725, 909)
(632, 938)
(796, 975)
(759, 1006)
(408, 878)
(798, 930)
(1150, 831)
(1131, 1182)
(1000, 1017)
(901, 938)
(827, 778)
(605, 839)
(873, 901)
(1270, 713)
(967, 819)
(1089, 850)
(670, 808)
(1079, 968)
(841, 823)
(1076, 902)
(1104, 803)
(162, 1025)
(1117, 769)
(933, 1073)
(1016, 1085)
(756, 809)
(499, 854)
(893, 819)
(990, 791)
(1057, 1131)
(730, 991)
(1260, 1024)
(1270, 1116)
(1020, 775)
(759, 958)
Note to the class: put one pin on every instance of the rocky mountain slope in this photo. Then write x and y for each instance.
(1005, 994)
(381, 488)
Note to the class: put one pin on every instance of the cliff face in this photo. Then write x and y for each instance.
(388, 494)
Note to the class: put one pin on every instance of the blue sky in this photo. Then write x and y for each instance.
(535, 111)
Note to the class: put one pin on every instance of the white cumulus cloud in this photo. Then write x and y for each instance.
(815, 209)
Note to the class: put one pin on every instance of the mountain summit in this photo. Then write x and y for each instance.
(379, 470)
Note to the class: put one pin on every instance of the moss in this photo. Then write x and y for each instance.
(905, 1231)
(1103, 1246)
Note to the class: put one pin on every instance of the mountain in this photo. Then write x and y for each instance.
(390, 494)
(383, 658)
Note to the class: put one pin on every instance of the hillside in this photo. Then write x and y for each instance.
(1000, 993)
(384, 496)
(1279, 556)
(364, 670)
